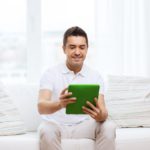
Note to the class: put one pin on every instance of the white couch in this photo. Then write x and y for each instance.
(25, 97)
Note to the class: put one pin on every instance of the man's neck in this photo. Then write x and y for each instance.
(75, 69)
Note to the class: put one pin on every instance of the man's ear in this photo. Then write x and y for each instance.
(63, 47)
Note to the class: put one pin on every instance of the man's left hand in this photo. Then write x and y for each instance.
(94, 111)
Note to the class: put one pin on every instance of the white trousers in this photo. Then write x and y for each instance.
(103, 133)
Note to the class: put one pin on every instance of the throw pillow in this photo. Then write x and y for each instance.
(10, 121)
(128, 100)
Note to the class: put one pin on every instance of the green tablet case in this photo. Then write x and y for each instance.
(83, 93)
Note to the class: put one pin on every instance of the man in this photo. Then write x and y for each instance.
(53, 99)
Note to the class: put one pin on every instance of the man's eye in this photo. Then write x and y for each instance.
(72, 47)
(82, 47)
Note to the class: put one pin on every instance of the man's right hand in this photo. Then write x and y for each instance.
(65, 98)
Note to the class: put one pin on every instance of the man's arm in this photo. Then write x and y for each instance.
(101, 105)
(47, 106)
(98, 112)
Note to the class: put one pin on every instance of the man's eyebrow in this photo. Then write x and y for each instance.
(72, 45)
(83, 45)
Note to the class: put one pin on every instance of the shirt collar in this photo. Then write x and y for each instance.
(83, 71)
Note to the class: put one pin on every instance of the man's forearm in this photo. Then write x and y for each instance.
(48, 107)
(104, 114)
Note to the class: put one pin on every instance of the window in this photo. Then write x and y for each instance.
(31, 33)
(13, 56)
(59, 15)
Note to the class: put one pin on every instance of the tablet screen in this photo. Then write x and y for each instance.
(83, 93)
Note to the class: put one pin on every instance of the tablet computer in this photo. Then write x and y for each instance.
(83, 93)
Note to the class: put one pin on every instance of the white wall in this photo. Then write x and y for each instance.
(123, 36)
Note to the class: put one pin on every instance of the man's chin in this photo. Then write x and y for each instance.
(77, 64)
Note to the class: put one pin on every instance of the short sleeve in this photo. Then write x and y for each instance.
(46, 81)
(100, 81)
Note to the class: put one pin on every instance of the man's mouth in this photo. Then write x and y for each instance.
(77, 58)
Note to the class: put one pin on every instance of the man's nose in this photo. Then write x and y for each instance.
(77, 51)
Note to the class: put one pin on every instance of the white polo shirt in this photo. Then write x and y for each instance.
(58, 78)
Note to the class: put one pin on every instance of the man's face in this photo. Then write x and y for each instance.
(75, 50)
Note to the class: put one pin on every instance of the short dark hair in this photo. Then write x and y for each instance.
(74, 31)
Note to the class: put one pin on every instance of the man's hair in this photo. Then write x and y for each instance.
(74, 31)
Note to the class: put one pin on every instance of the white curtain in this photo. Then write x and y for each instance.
(123, 37)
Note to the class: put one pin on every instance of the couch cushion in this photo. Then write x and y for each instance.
(30, 141)
(25, 96)
(128, 100)
(10, 119)
(27, 141)
(126, 139)
(133, 139)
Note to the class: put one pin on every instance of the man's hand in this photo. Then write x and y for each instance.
(64, 98)
(94, 111)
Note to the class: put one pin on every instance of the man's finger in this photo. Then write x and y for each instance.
(69, 99)
(65, 95)
(63, 91)
(91, 105)
(89, 110)
(86, 112)
(96, 101)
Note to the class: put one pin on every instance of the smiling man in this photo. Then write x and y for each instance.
(75, 50)
(54, 97)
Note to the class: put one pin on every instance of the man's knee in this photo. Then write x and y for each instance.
(49, 132)
(108, 129)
